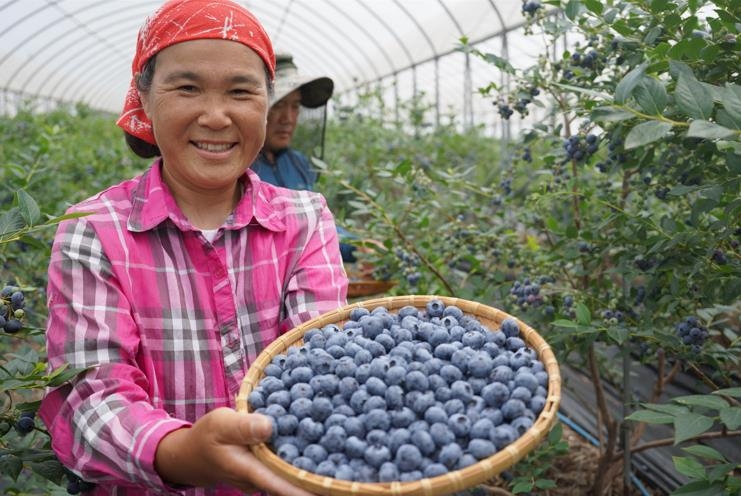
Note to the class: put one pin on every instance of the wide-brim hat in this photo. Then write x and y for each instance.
(315, 90)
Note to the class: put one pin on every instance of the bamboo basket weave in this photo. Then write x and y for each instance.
(451, 482)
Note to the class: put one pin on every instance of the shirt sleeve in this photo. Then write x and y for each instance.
(319, 282)
(103, 424)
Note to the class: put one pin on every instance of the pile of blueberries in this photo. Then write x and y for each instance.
(12, 302)
(692, 333)
(400, 396)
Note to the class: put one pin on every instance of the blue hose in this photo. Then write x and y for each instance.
(583, 433)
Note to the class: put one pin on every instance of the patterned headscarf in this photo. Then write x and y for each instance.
(184, 20)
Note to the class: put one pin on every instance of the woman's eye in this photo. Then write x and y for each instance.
(188, 88)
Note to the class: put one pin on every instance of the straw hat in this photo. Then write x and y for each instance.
(315, 91)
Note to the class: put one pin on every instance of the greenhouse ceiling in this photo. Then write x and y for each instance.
(80, 50)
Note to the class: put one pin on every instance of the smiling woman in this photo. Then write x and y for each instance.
(177, 280)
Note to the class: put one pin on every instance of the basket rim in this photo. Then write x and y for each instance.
(450, 482)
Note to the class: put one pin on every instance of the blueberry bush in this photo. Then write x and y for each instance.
(83, 151)
(613, 224)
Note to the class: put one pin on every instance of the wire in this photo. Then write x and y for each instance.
(586, 435)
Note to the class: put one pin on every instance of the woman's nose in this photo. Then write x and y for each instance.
(214, 114)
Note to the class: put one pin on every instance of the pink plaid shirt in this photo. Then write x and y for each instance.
(169, 323)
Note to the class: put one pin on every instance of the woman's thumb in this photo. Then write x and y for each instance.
(255, 428)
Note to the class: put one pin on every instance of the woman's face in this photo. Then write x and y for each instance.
(208, 105)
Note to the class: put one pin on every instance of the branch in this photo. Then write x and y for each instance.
(670, 441)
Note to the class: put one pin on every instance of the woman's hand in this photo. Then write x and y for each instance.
(215, 451)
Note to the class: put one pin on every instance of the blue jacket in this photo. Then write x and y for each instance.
(292, 170)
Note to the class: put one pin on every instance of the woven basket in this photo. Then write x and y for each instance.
(451, 482)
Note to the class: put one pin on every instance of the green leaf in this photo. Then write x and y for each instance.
(583, 316)
(732, 101)
(731, 417)
(628, 83)
(595, 6)
(702, 451)
(499, 62)
(573, 9)
(10, 465)
(645, 133)
(618, 334)
(720, 471)
(699, 488)
(545, 484)
(689, 467)
(578, 89)
(724, 119)
(522, 487)
(678, 69)
(651, 96)
(610, 114)
(709, 130)
(650, 417)
(705, 400)
(28, 207)
(49, 469)
(689, 425)
(734, 392)
(565, 323)
(11, 222)
(693, 98)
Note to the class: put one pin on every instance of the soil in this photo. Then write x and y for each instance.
(574, 471)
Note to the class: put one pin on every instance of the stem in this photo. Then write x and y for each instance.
(401, 236)
(669, 441)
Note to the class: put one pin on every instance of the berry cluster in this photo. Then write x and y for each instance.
(401, 396)
(530, 7)
(526, 294)
(579, 148)
(504, 110)
(692, 333)
(586, 61)
(12, 302)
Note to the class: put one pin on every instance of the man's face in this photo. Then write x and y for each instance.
(282, 119)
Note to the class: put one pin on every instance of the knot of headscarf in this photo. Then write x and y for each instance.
(184, 20)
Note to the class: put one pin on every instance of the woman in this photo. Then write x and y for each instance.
(178, 278)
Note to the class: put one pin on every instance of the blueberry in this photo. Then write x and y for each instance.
(375, 386)
(326, 468)
(388, 472)
(521, 424)
(301, 374)
(256, 399)
(450, 454)
(25, 423)
(495, 394)
(502, 373)
(304, 463)
(513, 408)
(460, 359)
(377, 419)
(450, 373)
(403, 417)
(441, 434)
(358, 312)
(394, 397)
(422, 402)
(315, 452)
(435, 308)
(521, 393)
(510, 328)
(358, 399)
(466, 461)
(473, 339)
(422, 439)
(459, 424)
(454, 405)
(286, 424)
(481, 448)
(397, 438)
(372, 326)
(414, 475)
(355, 447)
(514, 344)
(480, 364)
(416, 381)
(406, 311)
(282, 398)
(335, 419)
(298, 358)
(376, 455)
(462, 390)
(408, 458)
(373, 403)
(344, 472)
(354, 427)
(334, 439)
(503, 435)
(348, 386)
(444, 351)
(363, 357)
(482, 429)
(310, 430)
(321, 408)
(287, 452)
(435, 414)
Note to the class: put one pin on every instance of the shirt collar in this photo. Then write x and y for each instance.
(153, 203)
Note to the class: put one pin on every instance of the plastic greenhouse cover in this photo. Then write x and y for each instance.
(81, 50)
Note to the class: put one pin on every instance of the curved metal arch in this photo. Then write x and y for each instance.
(366, 33)
(54, 55)
(24, 19)
(323, 42)
(352, 42)
(63, 63)
(391, 31)
(8, 4)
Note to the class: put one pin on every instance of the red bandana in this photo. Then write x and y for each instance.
(184, 20)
